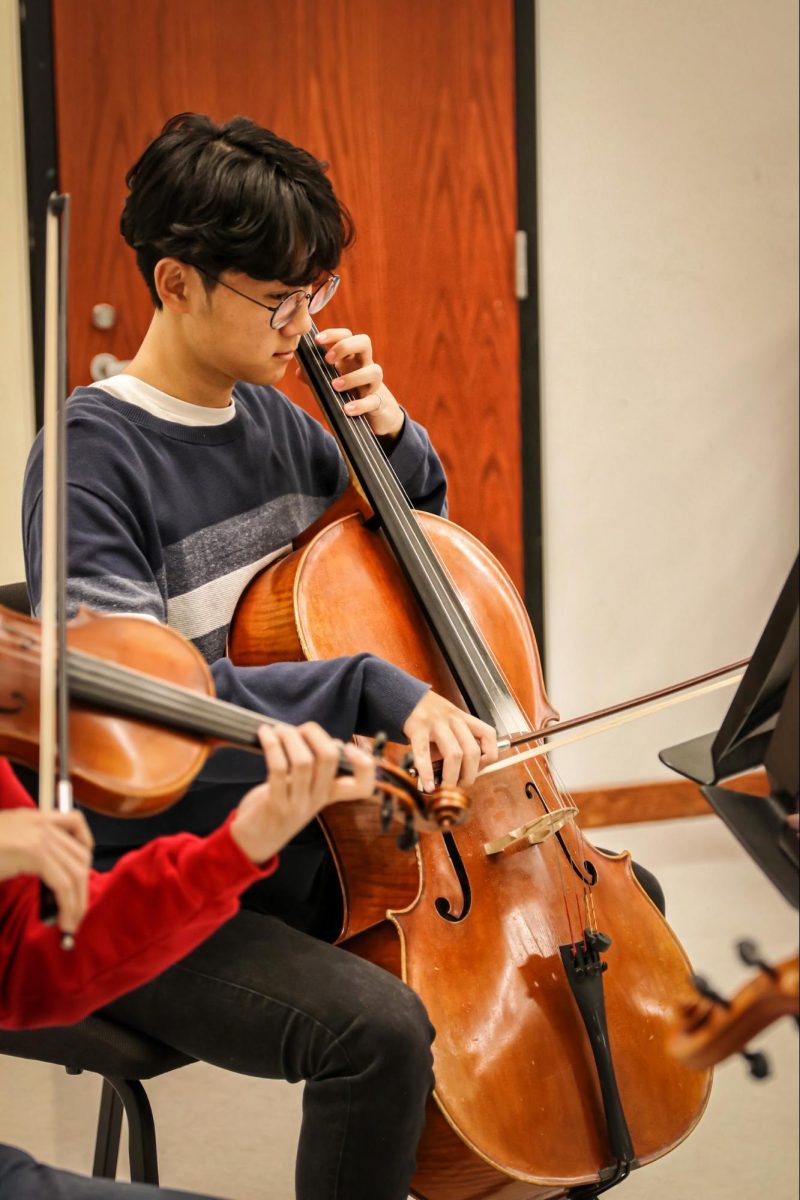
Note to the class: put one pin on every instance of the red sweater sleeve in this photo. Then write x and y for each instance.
(155, 906)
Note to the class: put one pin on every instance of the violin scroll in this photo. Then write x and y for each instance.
(713, 1027)
(442, 809)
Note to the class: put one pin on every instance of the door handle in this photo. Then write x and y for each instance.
(104, 365)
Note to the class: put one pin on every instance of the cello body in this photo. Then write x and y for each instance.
(517, 1112)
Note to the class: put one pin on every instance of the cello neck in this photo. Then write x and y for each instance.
(478, 676)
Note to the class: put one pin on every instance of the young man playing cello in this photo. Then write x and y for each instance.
(187, 474)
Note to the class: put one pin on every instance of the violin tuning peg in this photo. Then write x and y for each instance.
(408, 836)
(757, 1063)
(407, 763)
(751, 957)
(387, 810)
(702, 985)
(379, 744)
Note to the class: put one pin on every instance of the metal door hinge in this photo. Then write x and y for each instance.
(521, 264)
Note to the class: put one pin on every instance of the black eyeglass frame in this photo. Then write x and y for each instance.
(274, 308)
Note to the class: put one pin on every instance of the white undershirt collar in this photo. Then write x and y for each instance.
(169, 408)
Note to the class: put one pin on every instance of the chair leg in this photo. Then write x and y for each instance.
(109, 1124)
(142, 1152)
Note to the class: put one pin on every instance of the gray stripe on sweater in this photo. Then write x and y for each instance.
(238, 541)
(115, 594)
(211, 605)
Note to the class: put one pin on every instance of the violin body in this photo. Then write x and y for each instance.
(118, 764)
(517, 1111)
(144, 717)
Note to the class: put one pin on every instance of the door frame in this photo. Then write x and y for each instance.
(41, 163)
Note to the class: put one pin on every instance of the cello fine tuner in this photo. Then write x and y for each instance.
(533, 833)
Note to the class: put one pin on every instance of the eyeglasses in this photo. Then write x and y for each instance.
(283, 313)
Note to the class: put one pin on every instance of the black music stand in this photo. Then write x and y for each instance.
(759, 728)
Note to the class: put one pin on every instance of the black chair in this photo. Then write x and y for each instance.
(122, 1056)
(15, 597)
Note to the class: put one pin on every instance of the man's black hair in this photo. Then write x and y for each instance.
(232, 197)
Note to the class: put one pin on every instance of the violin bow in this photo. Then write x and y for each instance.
(55, 787)
(605, 719)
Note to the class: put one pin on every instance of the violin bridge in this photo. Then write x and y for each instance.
(533, 833)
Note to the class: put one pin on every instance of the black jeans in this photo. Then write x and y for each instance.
(264, 999)
(22, 1178)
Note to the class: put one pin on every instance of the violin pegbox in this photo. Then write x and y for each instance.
(402, 799)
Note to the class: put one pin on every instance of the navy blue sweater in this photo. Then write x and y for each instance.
(171, 521)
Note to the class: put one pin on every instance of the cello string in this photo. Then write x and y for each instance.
(423, 550)
(580, 845)
(485, 656)
(426, 556)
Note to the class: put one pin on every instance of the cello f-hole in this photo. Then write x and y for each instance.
(532, 790)
(591, 879)
(442, 904)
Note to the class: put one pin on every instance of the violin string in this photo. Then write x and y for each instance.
(127, 687)
(168, 700)
(112, 683)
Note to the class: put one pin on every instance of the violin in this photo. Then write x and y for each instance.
(711, 1027)
(143, 719)
(548, 973)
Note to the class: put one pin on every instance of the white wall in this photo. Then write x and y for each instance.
(668, 138)
(16, 377)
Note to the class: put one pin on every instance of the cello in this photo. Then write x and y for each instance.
(549, 974)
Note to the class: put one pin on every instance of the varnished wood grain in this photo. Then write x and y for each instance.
(446, 1168)
(412, 103)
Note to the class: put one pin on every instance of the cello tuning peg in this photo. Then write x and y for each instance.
(379, 744)
(751, 957)
(702, 985)
(757, 1063)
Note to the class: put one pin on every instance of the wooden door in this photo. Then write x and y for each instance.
(413, 104)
